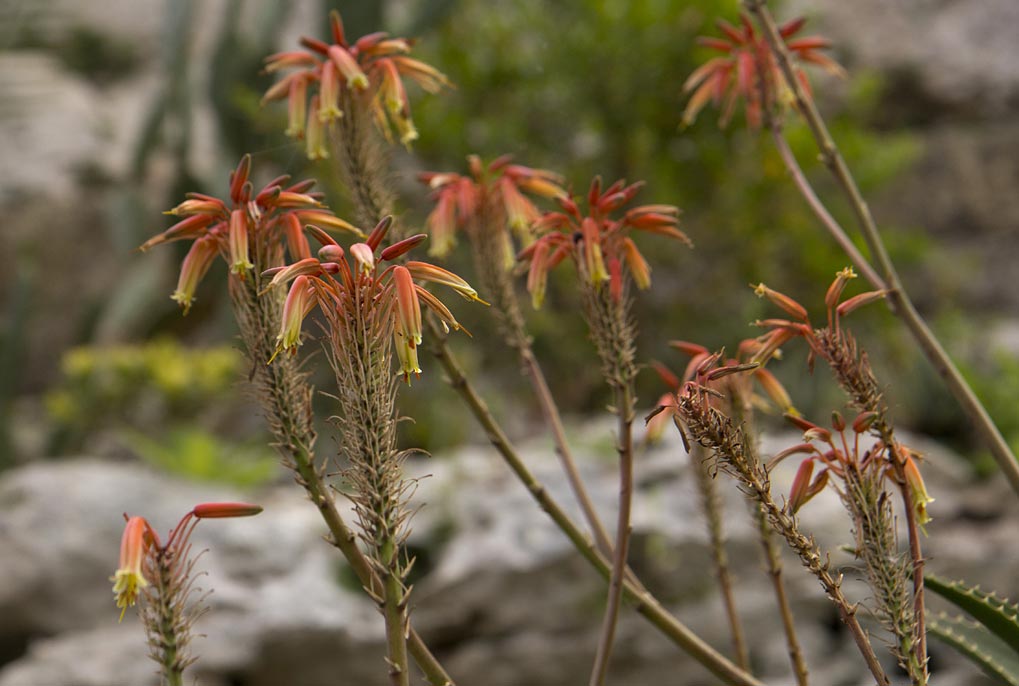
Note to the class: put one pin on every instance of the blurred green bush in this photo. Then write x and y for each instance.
(175, 407)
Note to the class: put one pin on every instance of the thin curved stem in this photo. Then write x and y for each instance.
(897, 298)
(562, 447)
(917, 561)
(830, 223)
(713, 518)
(645, 603)
(773, 561)
(624, 411)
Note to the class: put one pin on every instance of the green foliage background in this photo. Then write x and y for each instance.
(582, 87)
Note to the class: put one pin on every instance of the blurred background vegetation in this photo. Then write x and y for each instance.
(88, 362)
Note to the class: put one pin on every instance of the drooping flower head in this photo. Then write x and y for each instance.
(247, 229)
(598, 243)
(747, 69)
(368, 295)
(495, 196)
(372, 67)
(163, 574)
(129, 578)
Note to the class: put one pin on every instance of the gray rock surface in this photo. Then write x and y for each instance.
(503, 599)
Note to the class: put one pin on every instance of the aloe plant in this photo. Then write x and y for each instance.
(992, 641)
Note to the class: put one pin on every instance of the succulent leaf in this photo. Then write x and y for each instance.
(973, 640)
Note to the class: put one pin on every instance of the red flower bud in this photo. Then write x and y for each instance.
(222, 510)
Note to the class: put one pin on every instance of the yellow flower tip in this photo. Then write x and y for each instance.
(183, 299)
(760, 290)
(358, 82)
(408, 132)
(918, 491)
(407, 353)
(126, 585)
(241, 267)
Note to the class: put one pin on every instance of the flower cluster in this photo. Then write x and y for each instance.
(836, 346)
(373, 66)
(140, 546)
(394, 299)
(837, 455)
(737, 391)
(598, 244)
(500, 186)
(246, 229)
(821, 341)
(748, 70)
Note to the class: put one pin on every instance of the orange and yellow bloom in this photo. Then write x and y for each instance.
(373, 66)
(494, 194)
(247, 230)
(747, 70)
(140, 547)
(129, 577)
(372, 296)
(598, 244)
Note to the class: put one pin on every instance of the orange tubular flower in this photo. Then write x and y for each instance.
(375, 65)
(196, 263)
(747, 67)
(499, 188)
(367, 295)
(917, 488)
(598, 244)
(247, 230)
(128, 579)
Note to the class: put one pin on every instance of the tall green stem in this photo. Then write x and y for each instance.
(898, 300)
(624, 412)
(645, 603)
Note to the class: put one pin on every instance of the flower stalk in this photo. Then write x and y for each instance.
(286, 214)
(712, 508)
(642, 600)
(899, 301)
(863, 471)
(491, 207)
(739, 397)
(715, 431)
(370, 308)
(162, 575)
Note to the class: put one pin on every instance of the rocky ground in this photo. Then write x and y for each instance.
(503, 599)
